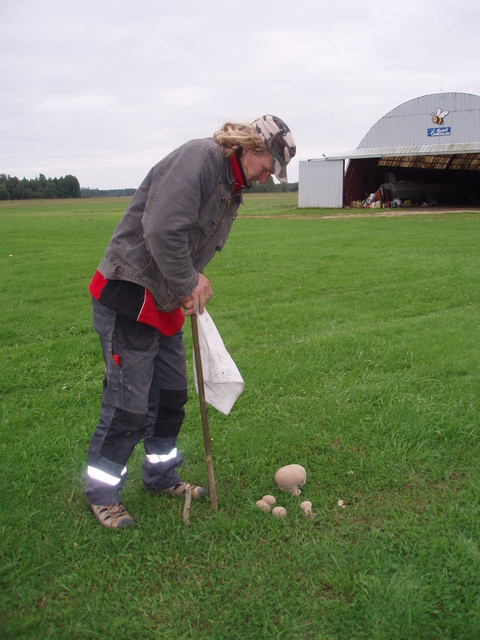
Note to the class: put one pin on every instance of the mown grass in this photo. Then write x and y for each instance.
(358, 342)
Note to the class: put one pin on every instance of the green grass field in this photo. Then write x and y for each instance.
(358, 340)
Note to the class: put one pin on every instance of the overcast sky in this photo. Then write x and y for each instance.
(103, 89)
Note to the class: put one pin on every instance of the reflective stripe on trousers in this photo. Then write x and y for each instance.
(103, 476)
(155, 458)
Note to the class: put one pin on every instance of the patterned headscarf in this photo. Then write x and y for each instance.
(279, 141)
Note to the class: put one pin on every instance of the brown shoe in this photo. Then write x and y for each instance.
(112, 516)
(180, 489)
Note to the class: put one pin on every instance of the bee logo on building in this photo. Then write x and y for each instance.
(438, 118)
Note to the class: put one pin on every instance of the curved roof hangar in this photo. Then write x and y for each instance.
(433, 138)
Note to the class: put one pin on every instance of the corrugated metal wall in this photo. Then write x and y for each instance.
(412, 122)
(320, 183)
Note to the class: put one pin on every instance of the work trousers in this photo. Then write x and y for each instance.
(144, 393)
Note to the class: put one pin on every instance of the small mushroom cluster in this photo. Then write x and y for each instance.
(266, 504)
(288, 479)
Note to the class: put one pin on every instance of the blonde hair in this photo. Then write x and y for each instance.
(235, 136)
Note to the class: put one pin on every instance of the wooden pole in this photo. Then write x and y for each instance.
(203, 411)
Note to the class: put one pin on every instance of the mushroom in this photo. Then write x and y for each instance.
(291, 478)
(279, 512)
(306, 506)
(264, 506)
(269, 500)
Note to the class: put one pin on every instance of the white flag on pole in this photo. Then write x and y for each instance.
(221, 377)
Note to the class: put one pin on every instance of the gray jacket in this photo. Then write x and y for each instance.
(179, 216)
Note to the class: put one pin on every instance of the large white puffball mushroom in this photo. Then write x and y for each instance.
(291, 478)
(279, 512)
(269, 500)
(264, 506)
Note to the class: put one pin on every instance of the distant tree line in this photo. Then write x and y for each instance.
(11, 188)
(272, 187)
(106, 193)
(257, 187)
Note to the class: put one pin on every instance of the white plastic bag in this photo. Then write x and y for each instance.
(221, 378)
